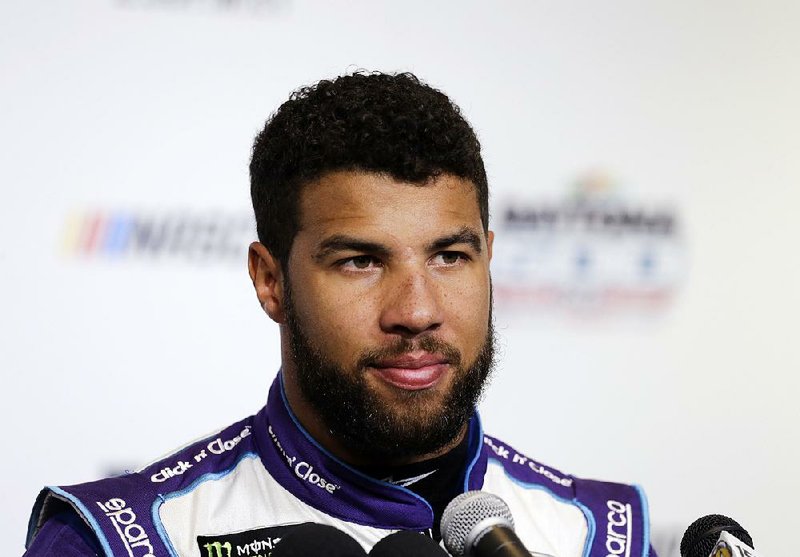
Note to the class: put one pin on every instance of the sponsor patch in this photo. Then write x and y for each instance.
(618, 532)
(125, 522)
(250, 543)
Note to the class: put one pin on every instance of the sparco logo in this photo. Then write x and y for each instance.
(302, 469)
(618, 533)
(132, 534)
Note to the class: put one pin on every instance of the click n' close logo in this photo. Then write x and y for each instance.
(592, 251)
(202, 237)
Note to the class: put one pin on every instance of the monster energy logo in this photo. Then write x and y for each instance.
(258, 542)
(218, 549)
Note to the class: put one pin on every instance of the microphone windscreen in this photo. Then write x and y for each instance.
(312, 539)
(468, 516)
(405, 544)
(701, 536)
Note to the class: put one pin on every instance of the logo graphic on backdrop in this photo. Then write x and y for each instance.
(594, 251)
(198, 237)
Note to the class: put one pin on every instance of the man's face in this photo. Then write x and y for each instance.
(388, 310)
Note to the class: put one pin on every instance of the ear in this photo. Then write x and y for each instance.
(267, 276)
(489, 242)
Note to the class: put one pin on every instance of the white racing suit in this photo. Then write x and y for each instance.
(237, 492)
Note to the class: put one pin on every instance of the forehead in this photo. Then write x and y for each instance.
(372, 203)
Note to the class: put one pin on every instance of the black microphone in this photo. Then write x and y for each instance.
(704, 536)
(312, 539)
(479, 524)
(406, 543)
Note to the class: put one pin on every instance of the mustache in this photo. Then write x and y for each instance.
(402, 346)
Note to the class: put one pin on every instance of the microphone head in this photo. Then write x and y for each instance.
(468, 516)
(311, 538)
(701, 536)
(405, 543)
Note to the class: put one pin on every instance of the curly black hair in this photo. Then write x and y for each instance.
(376, 122)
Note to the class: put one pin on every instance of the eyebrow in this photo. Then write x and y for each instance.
(465, 235)
(343, 242)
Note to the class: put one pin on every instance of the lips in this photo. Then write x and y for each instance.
(412, 372)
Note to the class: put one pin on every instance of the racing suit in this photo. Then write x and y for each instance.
(240, 490)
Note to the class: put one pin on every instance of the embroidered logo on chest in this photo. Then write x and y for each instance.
(250, 543)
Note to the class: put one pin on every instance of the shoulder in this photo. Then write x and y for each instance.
(209, 454)
(600, 512)
(64, 535)
(528, 472)
(525, 470)
(128, 500)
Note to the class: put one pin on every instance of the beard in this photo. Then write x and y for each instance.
(410, 423)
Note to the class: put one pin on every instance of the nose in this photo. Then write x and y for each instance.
(411, 305)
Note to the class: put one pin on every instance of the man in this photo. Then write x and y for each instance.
(371, 203)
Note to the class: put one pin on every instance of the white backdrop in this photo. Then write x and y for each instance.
(146, 110)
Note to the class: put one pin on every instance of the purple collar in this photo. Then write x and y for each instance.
(319, 479)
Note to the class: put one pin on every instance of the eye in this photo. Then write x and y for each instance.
(450, 258)
(359, 262)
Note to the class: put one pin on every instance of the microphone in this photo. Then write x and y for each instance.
(311, 538)
(716, 535)
(479, 524)
(405, 543)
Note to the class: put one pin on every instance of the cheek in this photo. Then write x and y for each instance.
(468, 309)
(335, 319)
